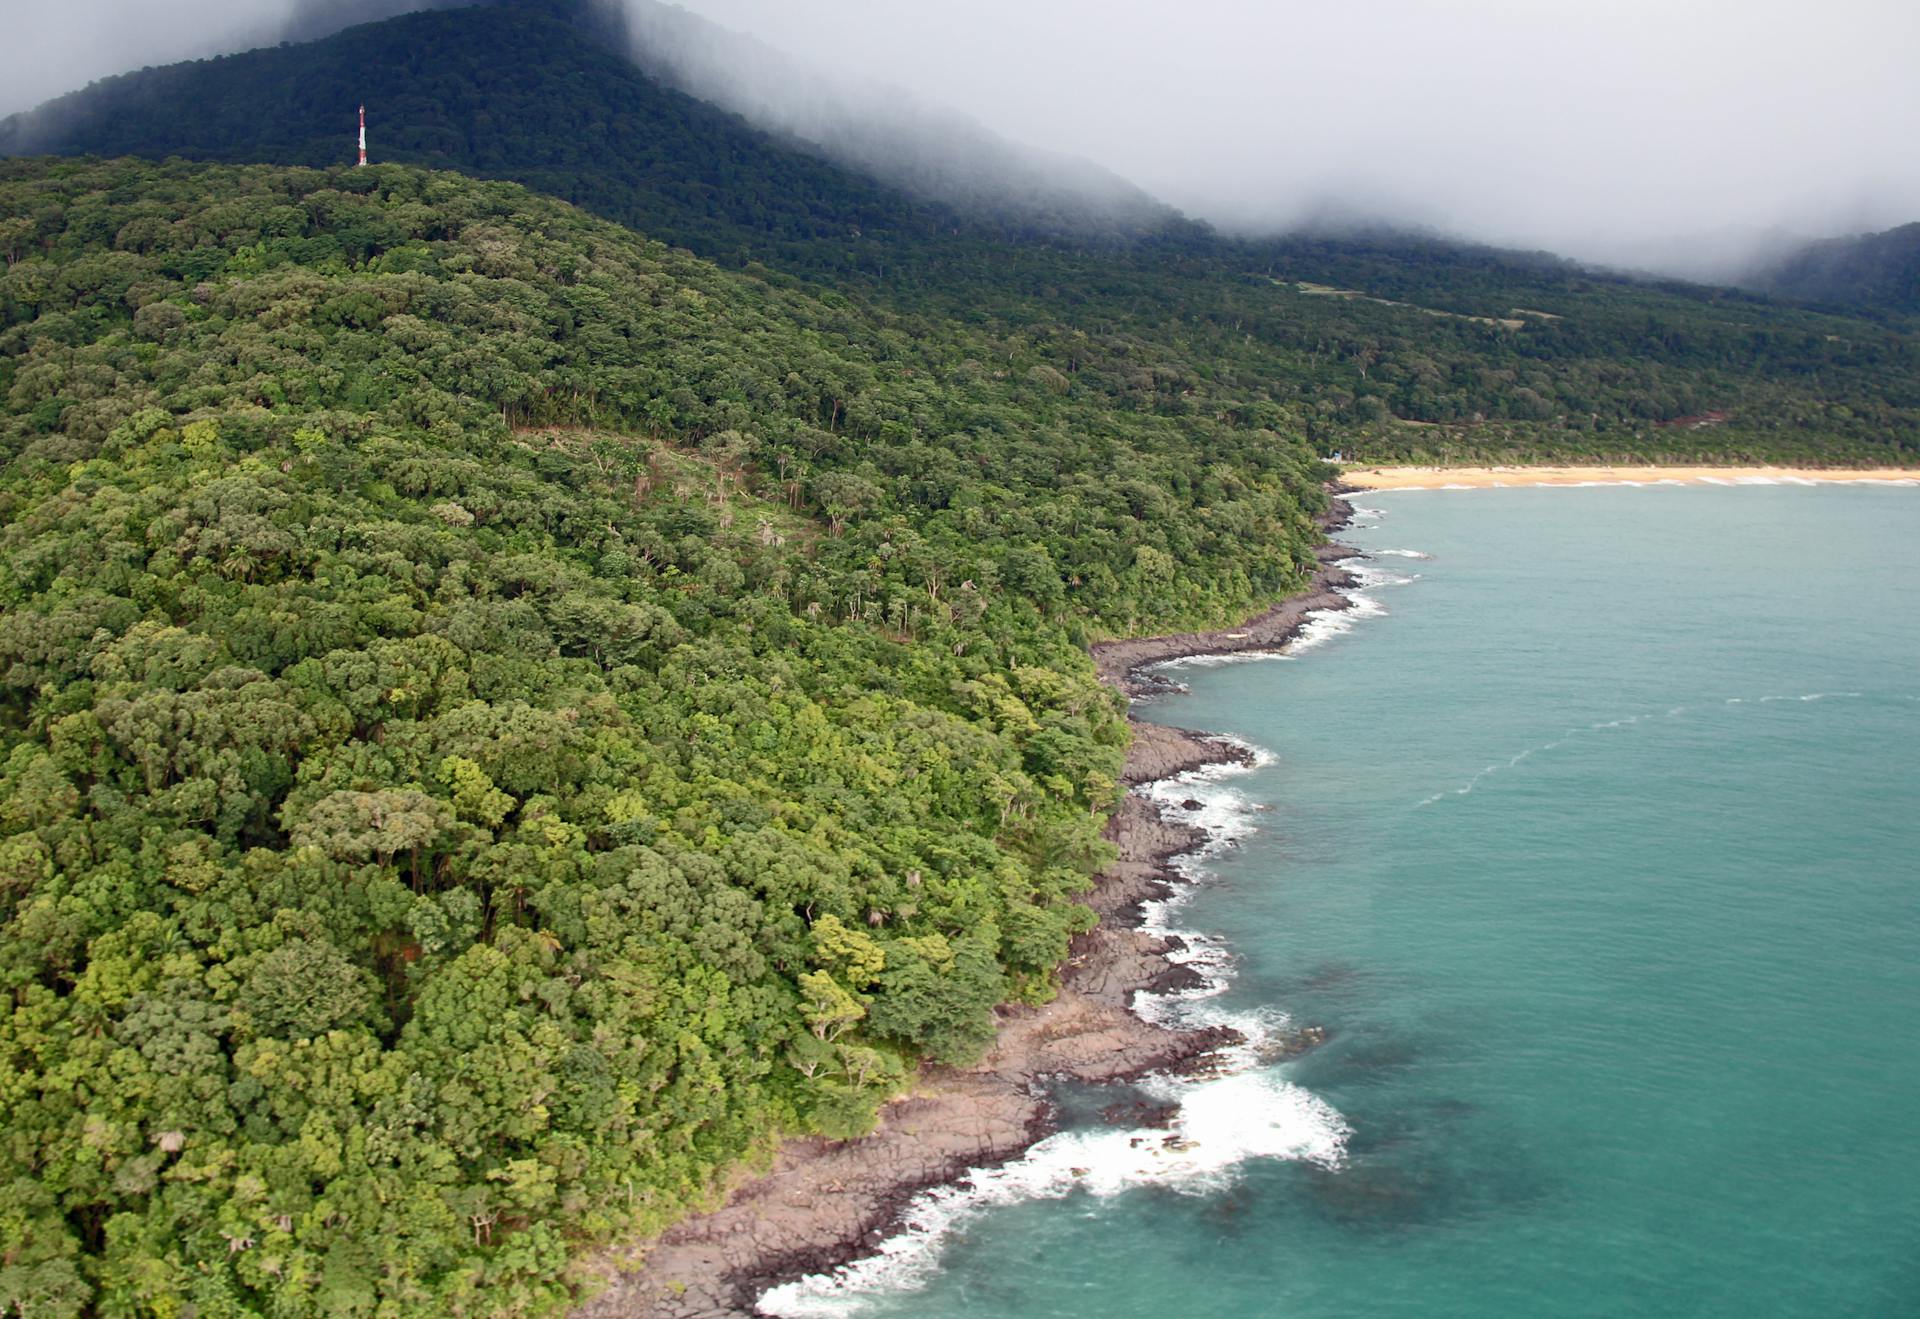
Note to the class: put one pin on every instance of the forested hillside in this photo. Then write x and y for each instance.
(506, 712)
(1879, 271)
(499, 719)
(1383, 346)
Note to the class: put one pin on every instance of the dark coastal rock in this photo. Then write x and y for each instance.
(1293, 1044)
(1140, 1113)
(1175, 979)
(1120, 662)
(1208, 1061)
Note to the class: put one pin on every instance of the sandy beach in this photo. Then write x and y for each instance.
(1479, 478)
(824, 1203)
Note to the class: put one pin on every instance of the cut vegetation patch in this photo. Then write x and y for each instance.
(1354, 295)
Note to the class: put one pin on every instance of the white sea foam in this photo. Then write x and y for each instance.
(1323, 626)
(1319, 625)
(1225, 816)
(1212, 661)
(1221, 1124)
(1368, 576)
(1244, 1111)
(1512, 762)
(1627, 722)
(1474, 782)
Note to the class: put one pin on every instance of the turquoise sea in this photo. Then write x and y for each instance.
(1593, 840)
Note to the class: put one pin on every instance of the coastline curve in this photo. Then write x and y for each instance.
(825, 1205)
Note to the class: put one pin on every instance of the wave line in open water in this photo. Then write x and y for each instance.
(1628, 721)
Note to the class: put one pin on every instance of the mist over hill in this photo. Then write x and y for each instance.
(1880, 271)
(1369, 338)
(1216, 110)
(541, 91)
(886, 131)
(1579, 128)
(933, 154)
(509, 709)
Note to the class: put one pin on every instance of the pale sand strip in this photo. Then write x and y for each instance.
(1479, 478)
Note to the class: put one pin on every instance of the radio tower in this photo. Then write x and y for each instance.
(363, 135)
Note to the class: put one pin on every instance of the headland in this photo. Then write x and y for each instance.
(825, 1203)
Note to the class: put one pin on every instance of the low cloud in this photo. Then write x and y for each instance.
(1651, 132)
(1611, 129)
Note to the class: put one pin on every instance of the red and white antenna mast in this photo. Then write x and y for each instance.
(363, 135)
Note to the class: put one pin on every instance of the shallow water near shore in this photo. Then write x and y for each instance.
(1591, 841)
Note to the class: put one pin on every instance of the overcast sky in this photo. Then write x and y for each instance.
(1576, 124)
(1582, 125)
(57, 47)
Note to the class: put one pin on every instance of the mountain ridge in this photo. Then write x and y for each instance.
(1385, 344)
(1875, 271)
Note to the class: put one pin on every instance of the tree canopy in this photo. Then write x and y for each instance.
(1381, 345)
(501, 720)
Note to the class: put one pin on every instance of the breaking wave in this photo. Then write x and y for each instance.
(1242, 1110)
(1222, 1123)
(1323, 625)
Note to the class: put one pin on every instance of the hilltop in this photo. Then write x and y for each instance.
(531, 91)
(1380, 345)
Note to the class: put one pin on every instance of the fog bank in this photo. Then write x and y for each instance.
(1639, 131)
(1676, 134)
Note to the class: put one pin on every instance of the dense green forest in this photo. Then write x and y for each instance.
(506, 712)
(1383, 346)
(502, 719)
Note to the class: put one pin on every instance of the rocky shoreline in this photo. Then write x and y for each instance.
(824, 1203)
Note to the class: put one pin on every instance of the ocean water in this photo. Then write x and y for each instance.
(1593, 841)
